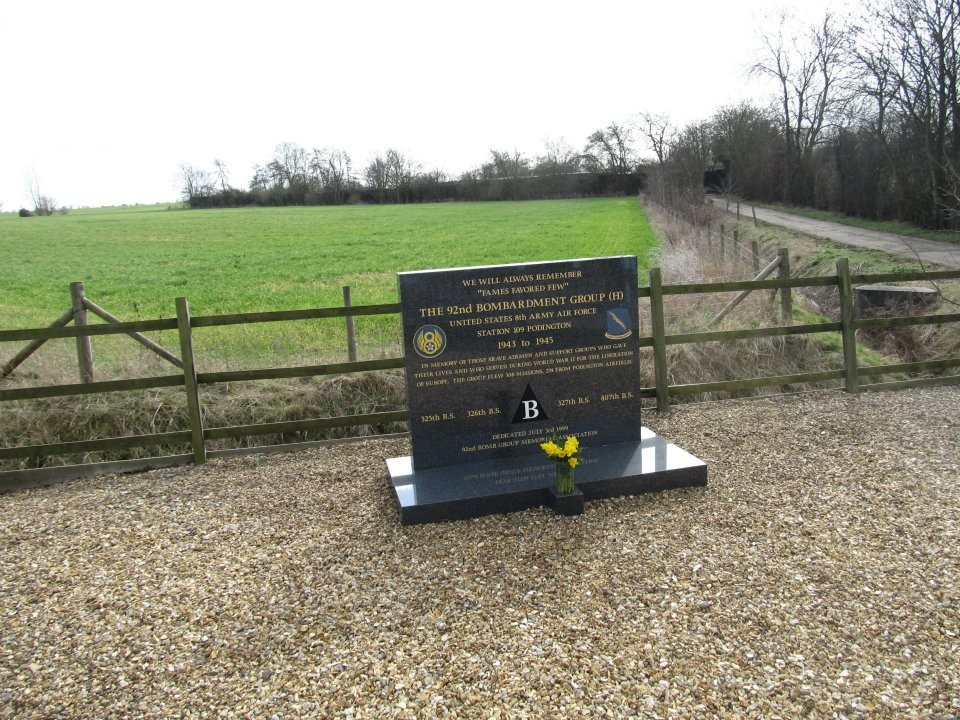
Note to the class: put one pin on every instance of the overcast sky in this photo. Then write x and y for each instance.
(104, 100)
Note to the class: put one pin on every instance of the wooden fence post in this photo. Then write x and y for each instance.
(190, 381)
(847, 331)
(786, 294)
(755, 249)
(658, 327)
(84, 348)
(736, 244)
(351, 328)
(722, 243)
(755, 223)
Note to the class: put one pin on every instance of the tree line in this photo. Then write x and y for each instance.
(866, 120)
(607, 165)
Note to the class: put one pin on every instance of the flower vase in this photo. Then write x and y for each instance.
(565, 484)
(564, 497)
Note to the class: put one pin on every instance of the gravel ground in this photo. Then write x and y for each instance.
(817, 575)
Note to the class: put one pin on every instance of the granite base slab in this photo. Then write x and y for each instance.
(458, 492)
(567, 504)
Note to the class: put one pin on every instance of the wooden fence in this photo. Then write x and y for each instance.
(197, 435)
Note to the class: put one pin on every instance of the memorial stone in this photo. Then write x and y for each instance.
(500, 359)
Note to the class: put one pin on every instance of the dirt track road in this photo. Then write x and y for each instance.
(929, 251)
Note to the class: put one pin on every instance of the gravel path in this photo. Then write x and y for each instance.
(929, 251)
(818, 575)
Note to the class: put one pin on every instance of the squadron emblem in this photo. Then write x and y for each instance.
(618, 324)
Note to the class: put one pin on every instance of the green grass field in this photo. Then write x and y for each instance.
(136, 261)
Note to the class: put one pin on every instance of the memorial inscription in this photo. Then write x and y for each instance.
(501, 357)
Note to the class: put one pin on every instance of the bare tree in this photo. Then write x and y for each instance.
(690, 155)
(220, 167)
(471, 181)
(260, 182)
(400, 173)
(331, 169)
(659, 132)
(427, 185)
(875, 72)
(809, 69)
(43, 204)
(608, 150)
(508, 166)
(290, 165)
(377, 176)
(391, 171)
(277, 175)
(559, 158)
(195, 183)
(742, 141)
(923, 83)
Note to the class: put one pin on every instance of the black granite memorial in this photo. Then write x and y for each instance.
(501, 358)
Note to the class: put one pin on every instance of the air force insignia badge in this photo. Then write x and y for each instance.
(429, 341)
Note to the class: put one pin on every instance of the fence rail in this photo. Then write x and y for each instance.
(197, 436)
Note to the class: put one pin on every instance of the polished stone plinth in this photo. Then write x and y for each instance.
(457, 492)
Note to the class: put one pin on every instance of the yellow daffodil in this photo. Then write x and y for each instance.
(567, 452)
(551, 448)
